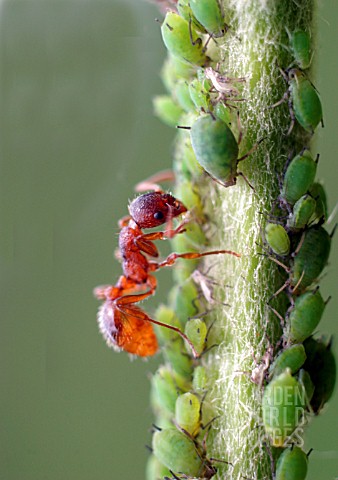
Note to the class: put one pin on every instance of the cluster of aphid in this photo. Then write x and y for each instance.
(302, 376)
(203, 101)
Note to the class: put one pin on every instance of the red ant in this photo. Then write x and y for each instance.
(123, 324)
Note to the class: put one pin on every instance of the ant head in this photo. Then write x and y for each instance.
(155, 208)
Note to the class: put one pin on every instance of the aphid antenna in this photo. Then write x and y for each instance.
(328, 299)
(155, 428)
(147, 447)
(183, 127)
(309, 452)
(174, 476)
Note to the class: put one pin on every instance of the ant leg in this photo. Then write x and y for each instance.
(122, 287)
(151, 183)
(171, 259)
(123, 222)
(160, 235)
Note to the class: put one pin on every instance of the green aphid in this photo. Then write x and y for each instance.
(176, 355)
(305, 380)
(195, 234)
(177, 452)
(167, 110)
(222, 112)
(166, 387)
(181, 40)
(187, 167)
(283, 406)
(182, 455)
(188, 413)
(321, 365)
(166, 315)
(292, 464)
(200, 96)
(303, 211)
(173, 70)
(292, 357)
(199, 380)
(184, 9)
(188, 193)
(305, 315)
(196, 330)
(318, 193)
(184, 300)
(182, 95)
(298, 177)
(277, 239)
(300, 43)
(155, 469)
(209, 14)
(174, 352)
(216, 149)
(306, 105)
(311, 259)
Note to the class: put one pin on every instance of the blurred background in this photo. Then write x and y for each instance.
(77, 133)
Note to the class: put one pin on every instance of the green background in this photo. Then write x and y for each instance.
(77, 133)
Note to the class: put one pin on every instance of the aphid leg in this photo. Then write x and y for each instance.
(292, 115)
(241, 174)
(284, 98)
(151, 183)
(278, 315)
(204, 49)
(198, 40)
(299, 246)
(298, 283)
(252, 149)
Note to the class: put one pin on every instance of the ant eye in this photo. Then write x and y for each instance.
(158, 215)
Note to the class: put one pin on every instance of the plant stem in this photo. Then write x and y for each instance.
(255, 47)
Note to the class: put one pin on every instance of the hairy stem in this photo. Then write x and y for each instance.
(255, 47)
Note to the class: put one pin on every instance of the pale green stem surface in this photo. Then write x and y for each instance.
(256, 45)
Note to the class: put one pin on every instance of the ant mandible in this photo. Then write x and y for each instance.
(122, 323)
